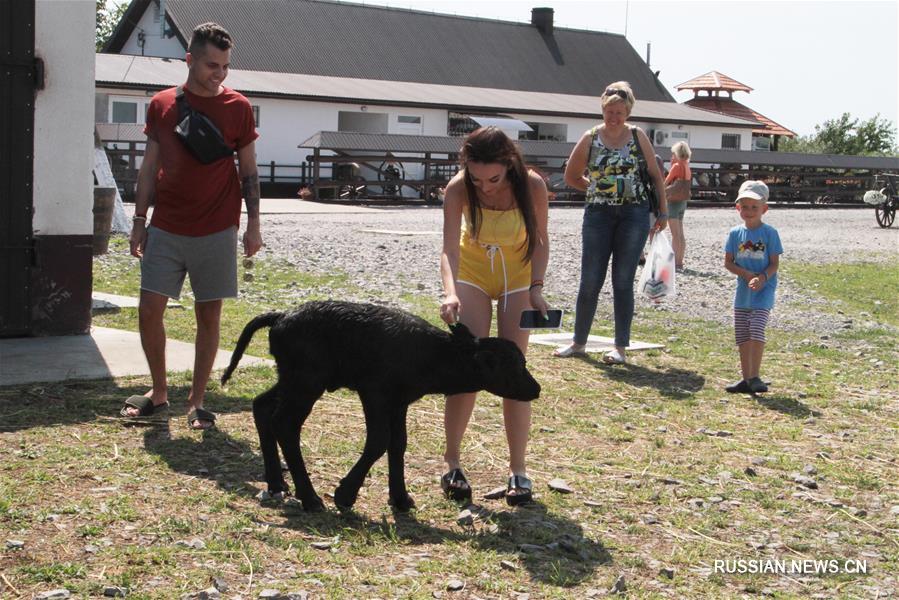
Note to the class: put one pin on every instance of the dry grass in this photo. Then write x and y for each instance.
(657, 455)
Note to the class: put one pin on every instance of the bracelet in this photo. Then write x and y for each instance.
(662, 216)
(139, 218)
(765, 273)
(536, 283)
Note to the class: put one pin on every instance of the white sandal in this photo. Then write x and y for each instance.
(614, 357)
(569, 351)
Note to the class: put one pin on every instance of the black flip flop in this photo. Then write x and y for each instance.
(451, 488)
(523, 490)
(144, 405)
(200, 414)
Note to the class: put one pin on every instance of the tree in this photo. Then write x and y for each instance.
(107, 19)
(845, 135)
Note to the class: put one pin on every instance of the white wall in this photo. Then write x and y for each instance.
(64, 119)
(284, 124)
(154, 43)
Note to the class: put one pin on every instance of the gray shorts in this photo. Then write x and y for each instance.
(676, 210)
(210, 260)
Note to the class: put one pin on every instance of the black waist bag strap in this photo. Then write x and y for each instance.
(198, 133)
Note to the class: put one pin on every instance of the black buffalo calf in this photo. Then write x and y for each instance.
(391, 358)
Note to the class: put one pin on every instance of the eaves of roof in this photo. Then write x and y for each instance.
(136, 72)
(729, 106)
(383, 142)
(126, 25)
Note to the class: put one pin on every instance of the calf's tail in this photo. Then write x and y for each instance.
(264, 320)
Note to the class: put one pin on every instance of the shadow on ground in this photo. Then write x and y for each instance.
(82, 401)
(677, 384)
(787, 405)
(552, 548)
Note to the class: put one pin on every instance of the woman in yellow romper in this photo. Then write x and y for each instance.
(495, 247)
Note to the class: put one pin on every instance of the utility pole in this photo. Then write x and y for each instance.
(627, 6)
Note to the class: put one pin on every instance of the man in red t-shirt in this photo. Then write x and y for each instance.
(195, 218)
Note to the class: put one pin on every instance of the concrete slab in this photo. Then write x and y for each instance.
(396, 232)
(595, 343)
(274, 206)
(105, 303)
(105, 353)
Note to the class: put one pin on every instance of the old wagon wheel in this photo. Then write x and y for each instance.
(392, 174)
(885, 213)
(351, 191)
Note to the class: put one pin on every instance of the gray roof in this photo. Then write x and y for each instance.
(141, 72)
(340, 39)
(383, 142)
(375, 142)
(793, 159)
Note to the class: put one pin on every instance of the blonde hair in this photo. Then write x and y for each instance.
(681, 150)
(609, 96)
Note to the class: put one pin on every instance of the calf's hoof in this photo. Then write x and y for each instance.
(344, 499)
(402, 504)
(313, 504)
(270, 496)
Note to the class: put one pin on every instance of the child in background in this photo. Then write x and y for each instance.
(752, 253)
(680, 169)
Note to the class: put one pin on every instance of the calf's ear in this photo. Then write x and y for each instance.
(461, 332)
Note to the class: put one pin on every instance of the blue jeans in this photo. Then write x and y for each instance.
(619, 233)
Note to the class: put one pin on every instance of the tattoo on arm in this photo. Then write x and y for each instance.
(250, 187)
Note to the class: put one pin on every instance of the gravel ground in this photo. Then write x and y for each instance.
(392, 264)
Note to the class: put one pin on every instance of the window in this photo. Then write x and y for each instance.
(124, 112)
(555, 132)
(408, 119)
(730, 141)
(362, 122)
(255, 114)
(459, 124)
(760, 143)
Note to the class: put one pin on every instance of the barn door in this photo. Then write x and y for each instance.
(21, 74)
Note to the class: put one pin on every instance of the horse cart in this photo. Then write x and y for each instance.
(885, 199)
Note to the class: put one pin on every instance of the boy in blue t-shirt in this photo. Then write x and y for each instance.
(752, 253)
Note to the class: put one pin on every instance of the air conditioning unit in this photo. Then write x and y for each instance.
(659, 137)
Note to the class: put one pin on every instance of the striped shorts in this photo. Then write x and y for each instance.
(749, 324)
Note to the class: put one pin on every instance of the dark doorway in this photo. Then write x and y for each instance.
(21, 74)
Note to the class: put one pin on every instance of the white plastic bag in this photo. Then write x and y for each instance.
(657, 279)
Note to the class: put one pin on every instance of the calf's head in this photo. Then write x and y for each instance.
(501, 366)
(504, 370)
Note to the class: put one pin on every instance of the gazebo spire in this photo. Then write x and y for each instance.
(714, 83)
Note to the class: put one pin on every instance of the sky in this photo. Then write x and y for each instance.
(807, 62)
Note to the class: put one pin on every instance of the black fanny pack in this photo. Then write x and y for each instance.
(198, 133)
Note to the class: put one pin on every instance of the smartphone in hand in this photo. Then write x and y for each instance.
(532, 319)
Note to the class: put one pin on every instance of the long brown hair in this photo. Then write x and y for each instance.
(490, 145)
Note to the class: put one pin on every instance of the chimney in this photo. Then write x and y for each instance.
(542, 19)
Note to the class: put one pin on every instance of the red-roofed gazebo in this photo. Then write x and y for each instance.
(713, 84)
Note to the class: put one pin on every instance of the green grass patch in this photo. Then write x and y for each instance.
(668, 470)
(864, 290)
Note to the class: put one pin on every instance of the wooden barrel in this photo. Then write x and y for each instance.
(104, 204)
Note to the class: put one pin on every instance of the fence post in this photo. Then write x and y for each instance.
(427, 186)
(316, 154)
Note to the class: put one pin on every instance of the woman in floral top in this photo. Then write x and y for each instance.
(604, 165)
